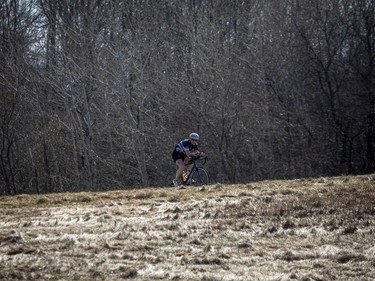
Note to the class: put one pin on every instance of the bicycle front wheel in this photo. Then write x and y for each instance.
(200, 177)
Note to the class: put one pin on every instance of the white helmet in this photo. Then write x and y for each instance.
(194, 136)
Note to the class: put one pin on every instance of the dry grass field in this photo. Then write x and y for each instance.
(305, 229)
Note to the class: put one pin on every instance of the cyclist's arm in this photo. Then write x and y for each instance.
(197, 153)
(191, 150)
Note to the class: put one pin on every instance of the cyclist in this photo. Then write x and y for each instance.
(181, 153)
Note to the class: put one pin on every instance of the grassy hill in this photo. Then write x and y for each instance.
(305, 229)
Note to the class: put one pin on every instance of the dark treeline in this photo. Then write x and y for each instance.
(94, 94)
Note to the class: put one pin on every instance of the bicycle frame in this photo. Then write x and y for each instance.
(197, 176)
(194, 168)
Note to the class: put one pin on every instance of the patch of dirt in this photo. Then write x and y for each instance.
(305, 229)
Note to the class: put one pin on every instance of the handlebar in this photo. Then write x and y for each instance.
(198, 157)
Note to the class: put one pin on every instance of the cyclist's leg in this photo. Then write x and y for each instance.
(169, 177)
(181, 166)
(188, 165)
(188, 169)
(178, 159)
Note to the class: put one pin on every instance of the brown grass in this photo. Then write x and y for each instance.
(305, 229)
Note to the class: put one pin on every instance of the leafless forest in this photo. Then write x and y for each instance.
(94, 94)
(310, 229)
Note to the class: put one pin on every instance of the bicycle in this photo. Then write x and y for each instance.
(197, 175)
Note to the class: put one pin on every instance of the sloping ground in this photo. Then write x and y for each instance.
(307, 229)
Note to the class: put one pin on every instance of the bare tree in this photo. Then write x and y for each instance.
(94, 94)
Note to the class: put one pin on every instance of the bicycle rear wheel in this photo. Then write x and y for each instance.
(200, 177)
(169, 177)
